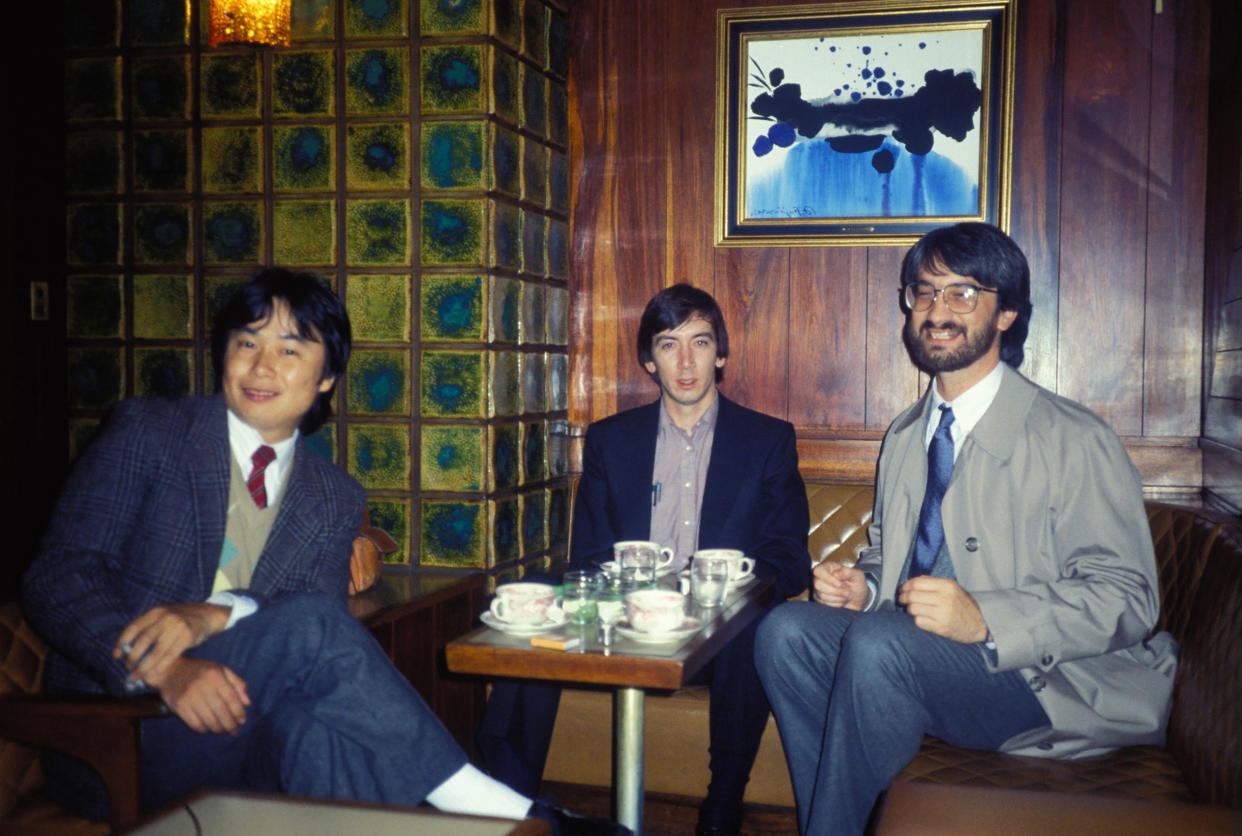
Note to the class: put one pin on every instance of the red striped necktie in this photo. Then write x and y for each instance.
(262, 458)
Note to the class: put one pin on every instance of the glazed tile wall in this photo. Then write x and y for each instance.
(412, 152)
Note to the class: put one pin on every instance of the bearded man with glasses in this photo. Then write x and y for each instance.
(1007, 597)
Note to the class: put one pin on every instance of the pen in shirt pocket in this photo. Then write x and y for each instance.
(655, 494)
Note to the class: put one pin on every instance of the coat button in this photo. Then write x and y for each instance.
(972, 545)
(1037, 683)
(1045, 745)
(1046, 660)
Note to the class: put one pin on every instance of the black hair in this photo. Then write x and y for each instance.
(671, 308)
(319, 313)
(990, 257)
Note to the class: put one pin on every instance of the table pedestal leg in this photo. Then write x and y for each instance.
(627, 767)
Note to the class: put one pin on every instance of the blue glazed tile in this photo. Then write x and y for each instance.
(453, 534)
(378, 383)
(232, 232)
(505, 456)
(311, 20)
(160, 86)
(303, 83)
(534, 171)
(534, 371)
(534, 40)
(558, 381)
(507, 22)
(379, 456)
(230, 86)
(161, 161)
(534, 313)
(452, 308)
(379, 308)
(452, 79)
(558, 448)
(452, 384)
(93, 306)
(506, 162)
(163, 372)
(506, 237)
(558, 249)
(558, 182)
(534, 452)
(375, 18)
(94, 233)
(534, 101)
(558, 315)
(93, 161)
(322, 442)
(558, 113)
(232, 160)
(534, 513)
(377, 232)
(157, 23)
(506, 310)
(92, 25)
(452, 232)
(506, 86)
(393, 516)
(558, 520)
(378, 157)
(452, 458)
(302, 158)
(92, 88)
(506, 384)
(216, 292)
(558, 43)
(452, 17)
(452, 155)
(534, 242)
(376, 81)
(95, 378)
(162, 234)
(506, 530)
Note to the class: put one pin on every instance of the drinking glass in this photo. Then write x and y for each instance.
(579, 592)
(709, 580)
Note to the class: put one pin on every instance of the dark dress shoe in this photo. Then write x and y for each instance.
(564, 823)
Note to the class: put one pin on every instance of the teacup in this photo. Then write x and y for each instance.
(655, 610)
(523, 603)
(740, 566)
(643, 555)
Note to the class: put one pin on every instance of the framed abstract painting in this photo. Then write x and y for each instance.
(862, 123)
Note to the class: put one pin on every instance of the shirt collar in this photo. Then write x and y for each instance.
(245, 439)
(706, 421)
(967, 407)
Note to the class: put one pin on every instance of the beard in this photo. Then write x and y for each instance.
(934, 361)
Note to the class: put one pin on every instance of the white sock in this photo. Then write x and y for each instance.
(469, 791)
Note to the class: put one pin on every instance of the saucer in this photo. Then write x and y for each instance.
(688, 628)
(738, 584)
(521, 629)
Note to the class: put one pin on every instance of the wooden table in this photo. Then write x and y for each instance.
(628, 666)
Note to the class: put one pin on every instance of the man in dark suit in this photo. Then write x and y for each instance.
(692, 470)
(200, 550)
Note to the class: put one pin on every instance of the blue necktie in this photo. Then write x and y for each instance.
(939, 468)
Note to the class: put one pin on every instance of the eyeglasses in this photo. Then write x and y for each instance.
(958, 298)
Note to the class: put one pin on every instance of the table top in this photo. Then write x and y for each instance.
(625, 663)
(400, 590)
(237, 812)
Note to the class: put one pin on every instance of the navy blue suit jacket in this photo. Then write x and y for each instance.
(140, 523)
(754, 499)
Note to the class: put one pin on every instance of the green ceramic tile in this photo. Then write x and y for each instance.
(534, 41)
(507, 22)
(452, 309)
(505, 455)
(452, 17)
(453, 534)
(377, 232)
(534, 374)
(558, 112)
(311, 20)
(379, 383)
(93, 306)
(303, 158)
(452, 384)
(232, 232)
(82, 432)
(558, 381)
(393, 516)
(534, 452)
(157, 23)
(506, 243)
(558, 249)
(534, 243)
(92, 88)
(376, 81)
(505, 306)
(534, 522)
(534, 101)
(452, 458)
(95, 377)
(558, 519)
(534, 171)
(375, 18)
(161, 161)
(452, 232)
(379, 456)
(558, 43)
(94, 233)
(452, 79)
(92, 25)
(558, 446)
(506, 516)
(216, 292)
(163, 372)
(379, 307)
(232, 160)
(506, 86)
(558, 315)
(322, 442)
(506, 384)
(506, 162)
(160, 87)
(452, 155)
(303, 83)
(93, 161)
(378, 157)
(558, 182)
(230, 86)
(162, 234)
(304, 232)
(534, 313)
(162, 307)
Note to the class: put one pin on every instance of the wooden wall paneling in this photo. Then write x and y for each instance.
(1103, 210)
(1038, 81)
(828, 338)
(1173, 338)
(893, 382)
(752, 288)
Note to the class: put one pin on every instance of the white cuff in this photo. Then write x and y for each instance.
(241, 606)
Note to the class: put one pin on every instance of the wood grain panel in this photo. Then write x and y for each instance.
(893, 382)
(1103, 210)
(752, 288)
(1177, 163)
(828, 337)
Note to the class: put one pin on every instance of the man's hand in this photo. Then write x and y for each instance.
(941, 606)
(835, 585)
(207, 696)
(162, 634)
